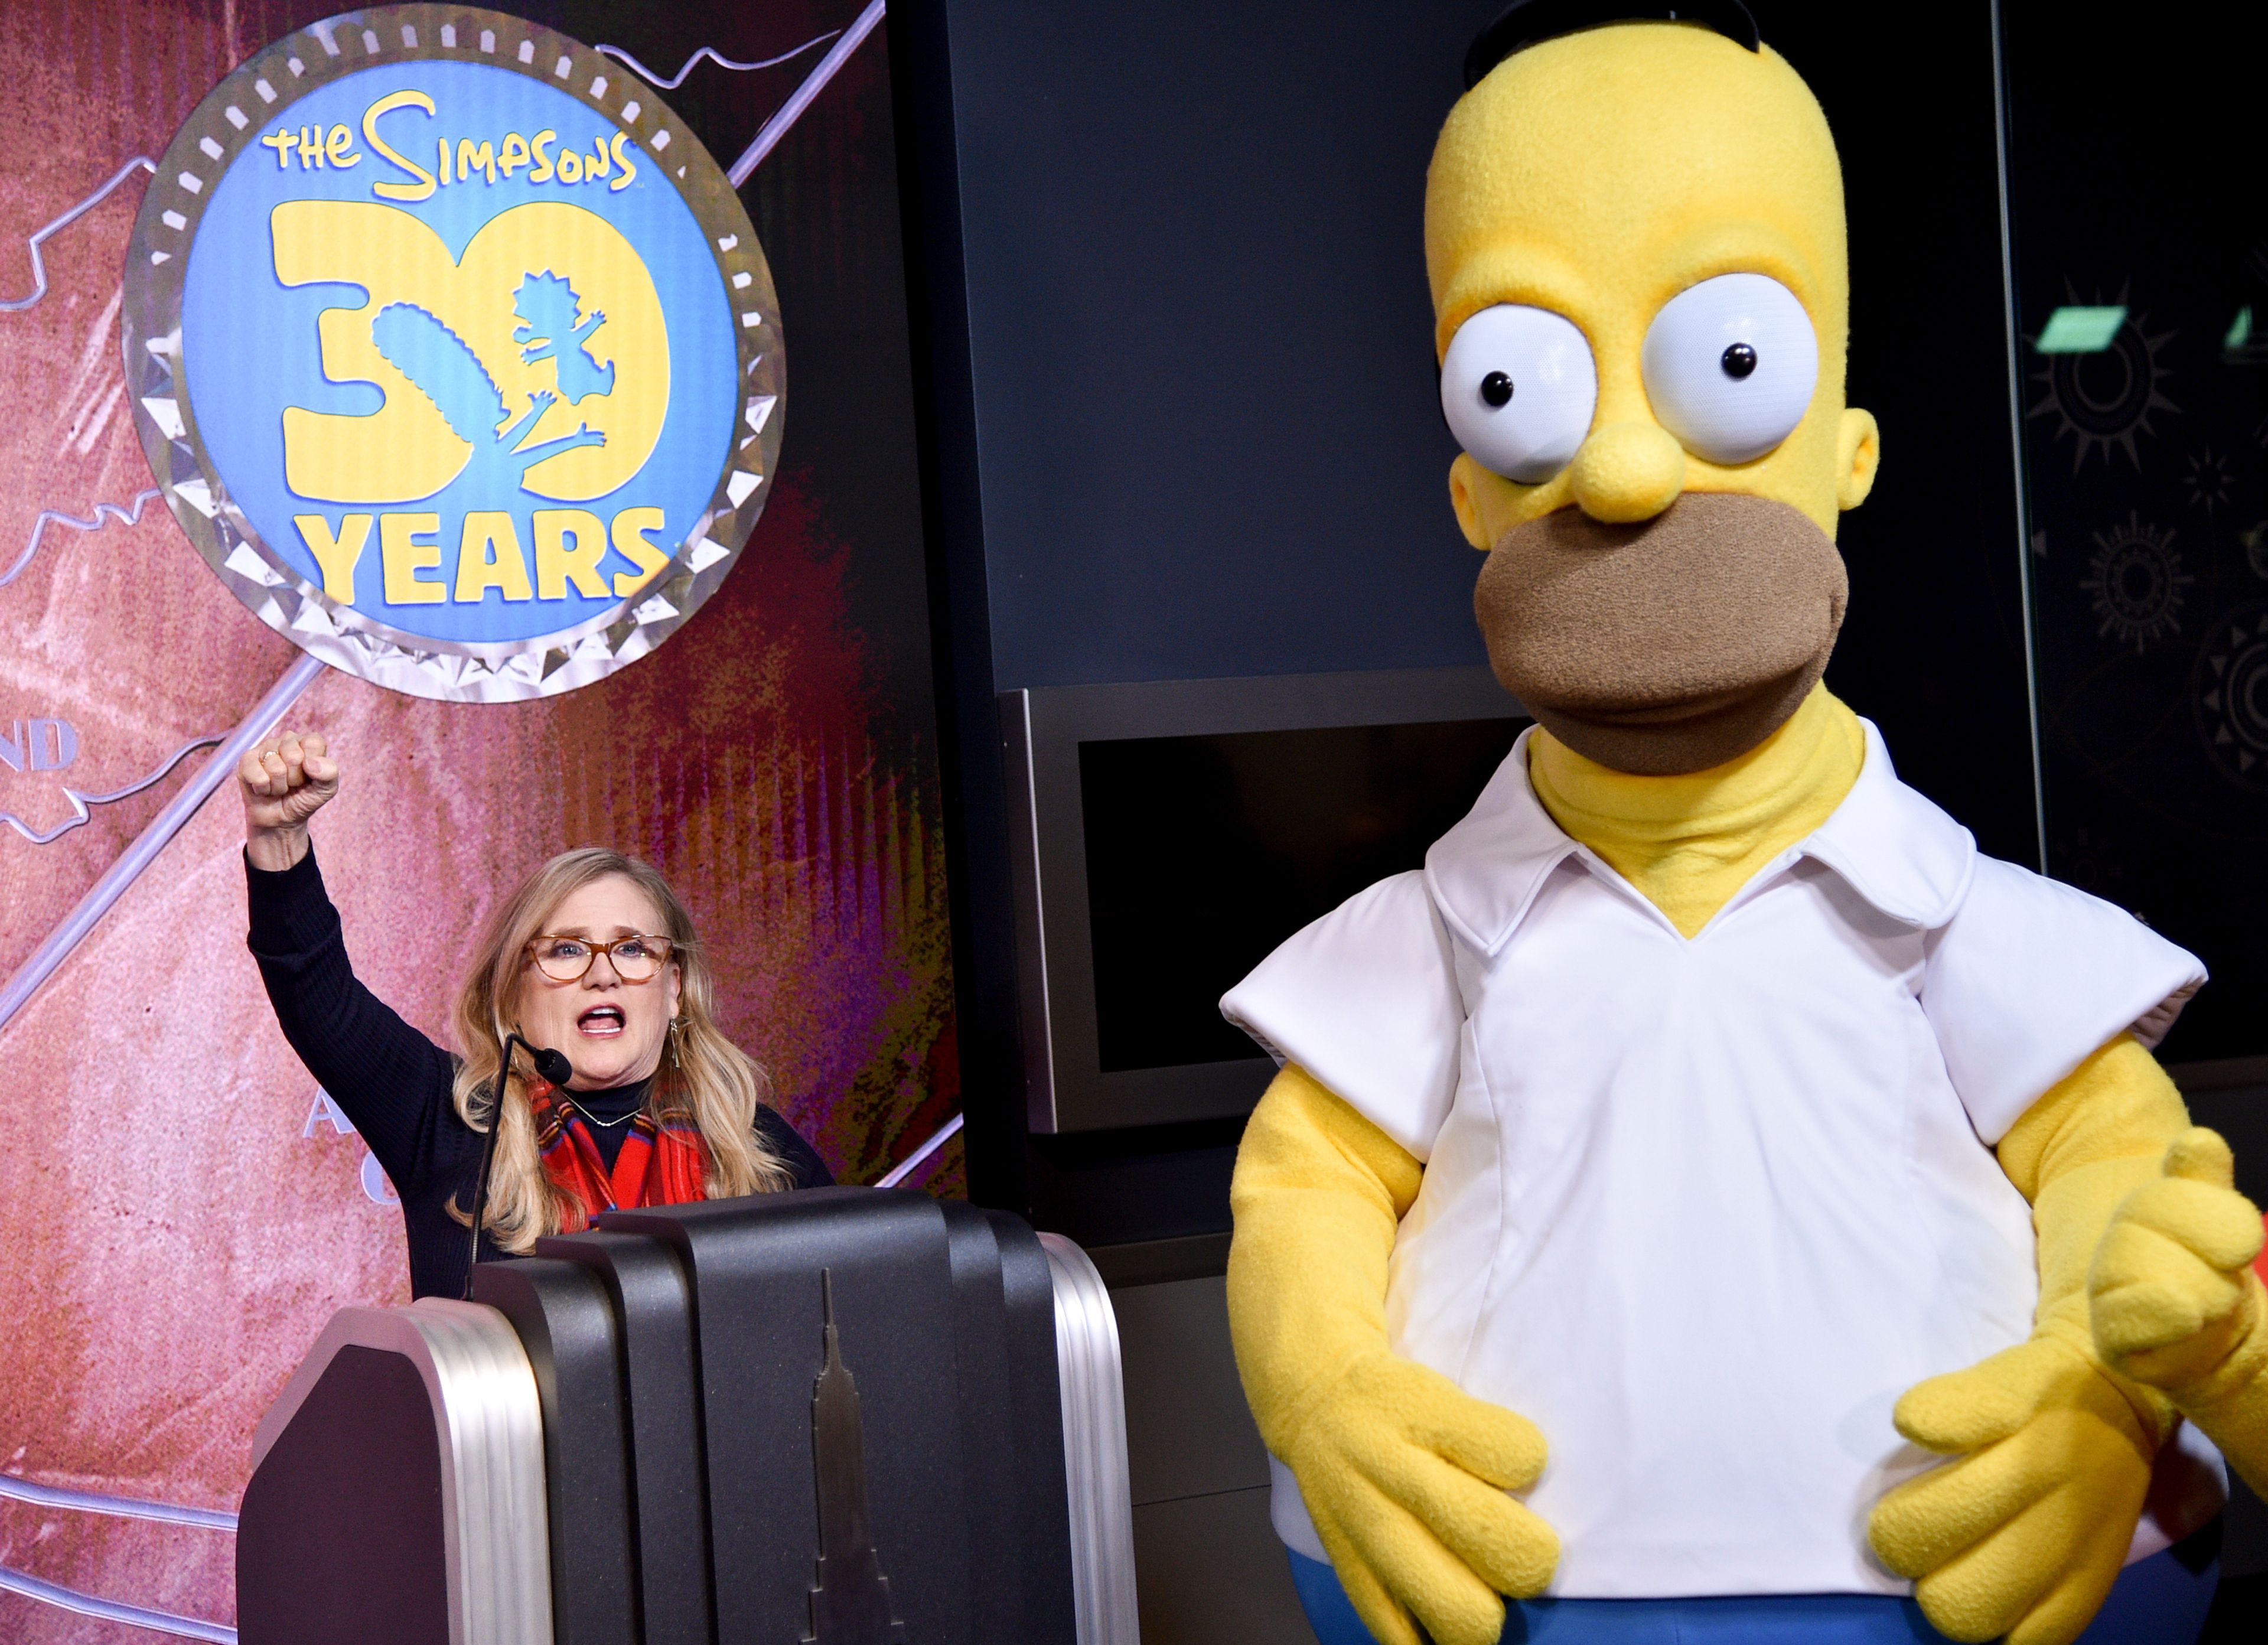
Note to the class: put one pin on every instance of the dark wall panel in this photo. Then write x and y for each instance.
(1207, 428)
(2149, 463)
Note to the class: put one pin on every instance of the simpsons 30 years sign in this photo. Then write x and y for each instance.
(454, 352)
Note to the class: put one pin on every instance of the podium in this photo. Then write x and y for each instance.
(839, 1417)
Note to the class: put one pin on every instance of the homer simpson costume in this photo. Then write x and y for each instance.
(1675, 1208)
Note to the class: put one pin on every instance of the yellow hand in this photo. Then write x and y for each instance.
(1405, 1476)
(1403, 1472)
(2175, 1302)
(2024, 1535)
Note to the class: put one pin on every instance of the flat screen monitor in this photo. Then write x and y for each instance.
(1174, 833)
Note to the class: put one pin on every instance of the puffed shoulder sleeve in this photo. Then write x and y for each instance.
(1365, 999)
(2030, 977)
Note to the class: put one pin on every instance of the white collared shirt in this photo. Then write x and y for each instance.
(1704, 1208)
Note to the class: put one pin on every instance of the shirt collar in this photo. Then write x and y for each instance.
(1890, 845)
(1893, 847)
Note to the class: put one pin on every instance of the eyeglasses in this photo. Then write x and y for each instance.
(567, 959)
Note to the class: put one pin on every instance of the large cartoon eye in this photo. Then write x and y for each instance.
(1517, 387)
(1730, 365)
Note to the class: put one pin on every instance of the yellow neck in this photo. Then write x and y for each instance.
(1688, 842)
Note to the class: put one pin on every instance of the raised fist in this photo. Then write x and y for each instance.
(284, 780)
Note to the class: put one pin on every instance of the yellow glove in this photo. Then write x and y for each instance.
(2177, 1305)
(1403, 1474)
(2024, 1535)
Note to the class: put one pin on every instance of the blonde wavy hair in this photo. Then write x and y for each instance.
(704, 1077)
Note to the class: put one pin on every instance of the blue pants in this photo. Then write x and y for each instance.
(2158, 1600)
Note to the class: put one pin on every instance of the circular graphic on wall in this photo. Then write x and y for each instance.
(2137, 580)
(2231, 691)
(2104, 397)
(2210, 483)
(454, 352)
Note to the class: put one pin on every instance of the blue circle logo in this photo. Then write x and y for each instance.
(455, 353)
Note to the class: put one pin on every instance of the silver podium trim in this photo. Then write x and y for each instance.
(1100, 1488)
(495, 1525)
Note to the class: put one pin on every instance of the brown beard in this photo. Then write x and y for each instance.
(1669, 646)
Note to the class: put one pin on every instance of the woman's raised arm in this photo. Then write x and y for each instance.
(390, 1080)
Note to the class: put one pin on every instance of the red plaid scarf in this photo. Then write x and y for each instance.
(661, 1164)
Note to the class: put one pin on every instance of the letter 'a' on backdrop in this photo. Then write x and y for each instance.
(454, 352)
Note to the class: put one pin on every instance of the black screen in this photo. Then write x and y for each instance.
(1203, 853)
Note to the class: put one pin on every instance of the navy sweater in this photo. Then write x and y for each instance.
(394, 1084)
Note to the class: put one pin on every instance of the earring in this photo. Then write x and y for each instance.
(676, 1033)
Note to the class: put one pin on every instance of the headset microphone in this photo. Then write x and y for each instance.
(554, 1069)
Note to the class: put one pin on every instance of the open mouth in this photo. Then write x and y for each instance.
(600, 1022)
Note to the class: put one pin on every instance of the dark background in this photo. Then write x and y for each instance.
(2136, 180)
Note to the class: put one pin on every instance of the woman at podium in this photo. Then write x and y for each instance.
(593, 956)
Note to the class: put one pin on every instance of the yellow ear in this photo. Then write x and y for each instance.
(1465, 478)
(1858, 455)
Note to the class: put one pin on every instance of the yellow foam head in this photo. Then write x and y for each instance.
(1636, 243)
(1599, 175)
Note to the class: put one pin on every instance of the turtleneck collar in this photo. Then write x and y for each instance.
(616, 1102)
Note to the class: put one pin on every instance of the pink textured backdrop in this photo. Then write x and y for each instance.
(175, 1233)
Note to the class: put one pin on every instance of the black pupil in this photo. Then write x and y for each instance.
(1496, 389)
(1739, 359)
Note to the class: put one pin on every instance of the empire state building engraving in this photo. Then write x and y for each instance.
(850, 1600)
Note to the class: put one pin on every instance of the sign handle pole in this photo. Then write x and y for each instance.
(154, 838)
